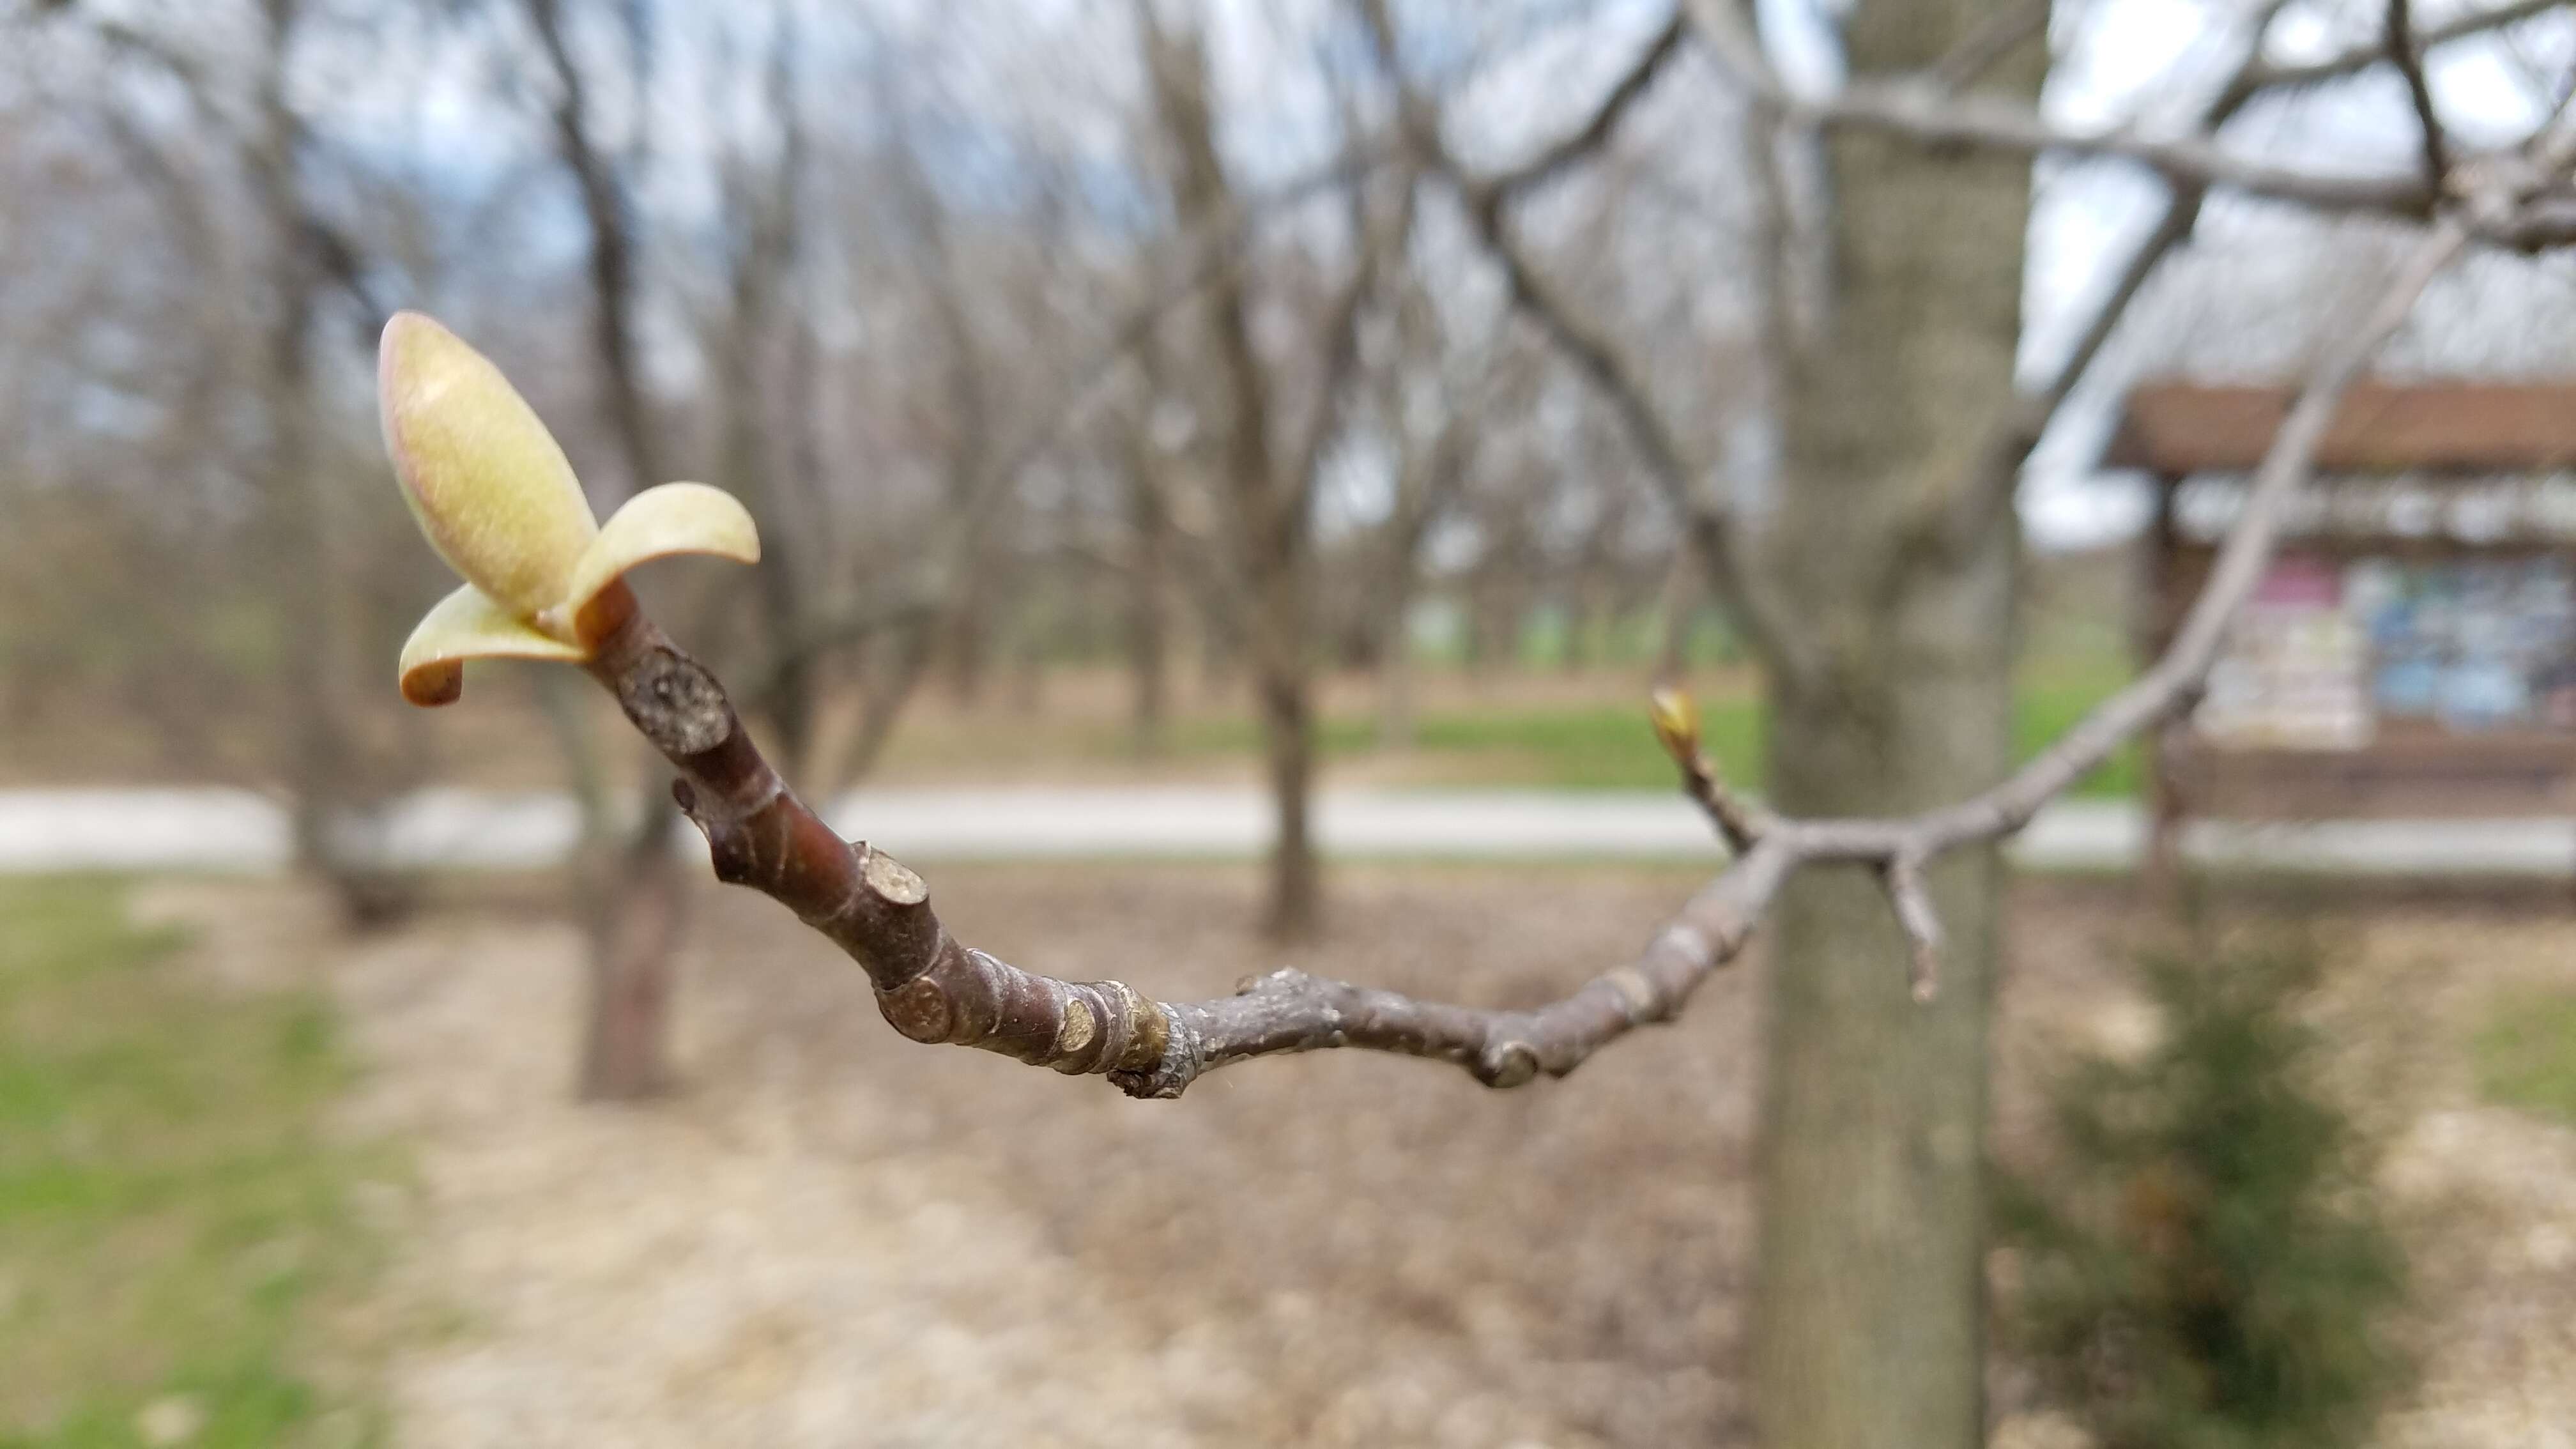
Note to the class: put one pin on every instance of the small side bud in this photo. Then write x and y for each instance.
(1676, 718)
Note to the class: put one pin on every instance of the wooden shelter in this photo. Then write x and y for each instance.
(2413, 651)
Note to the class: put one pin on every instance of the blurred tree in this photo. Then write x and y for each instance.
(1892, 694)
(634, 895)
(2200, 1265)
(1271, 463)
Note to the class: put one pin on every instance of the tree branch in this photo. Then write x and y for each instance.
(1676, 719)
(934, 989)
(1923, 113)
(1998, 480)
(2175, 678)
(2353, 60)
(613, 265)
(1595, 133)
(1668, 459)
(1928, 111)
(2400, 42)
(2539, 225)
(1378, 244)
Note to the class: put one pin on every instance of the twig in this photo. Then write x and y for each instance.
(2354, 59)
(932, 988)
(1903, 877)
(1924, 109)
(2400, 40)
(1576, 145)
(1675, 716)
(1997, 480)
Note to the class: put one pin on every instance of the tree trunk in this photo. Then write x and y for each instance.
(969, 632)
(881, 708)
(1028, 666)
(1869, 1326)
(1148, 614)
(1269, 501)
(634, 901)
(325, 769)
(1295, 910)
(1279, 564)
(637, 916)
(1396, 670)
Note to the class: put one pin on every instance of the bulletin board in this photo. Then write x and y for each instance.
(2411, 651)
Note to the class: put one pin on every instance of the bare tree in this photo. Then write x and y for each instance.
(635, 896)
(268, 276)
(1434, 409)
(1270, 464)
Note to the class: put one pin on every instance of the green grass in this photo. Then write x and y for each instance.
(2526, 1056)
(173, 1214)
(1610, 747)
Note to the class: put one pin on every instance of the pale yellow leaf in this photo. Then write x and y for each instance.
(469, 624)
(656, 523)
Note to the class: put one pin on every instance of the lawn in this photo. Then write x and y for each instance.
(174, 1216)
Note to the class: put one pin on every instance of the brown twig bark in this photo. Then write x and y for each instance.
(932, 988)
(1738, 822)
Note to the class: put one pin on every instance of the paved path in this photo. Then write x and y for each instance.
(240, 831)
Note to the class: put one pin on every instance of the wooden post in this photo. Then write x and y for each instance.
(2160, 875)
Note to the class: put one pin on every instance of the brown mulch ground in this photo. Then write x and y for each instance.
(834, 1237)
